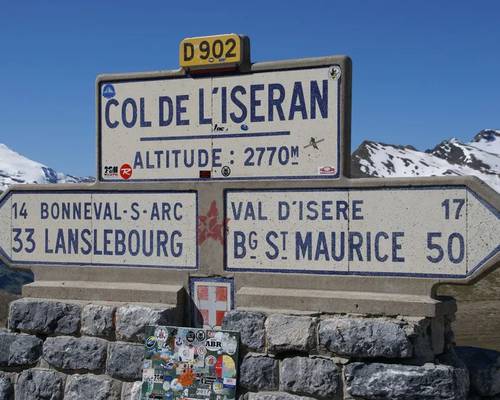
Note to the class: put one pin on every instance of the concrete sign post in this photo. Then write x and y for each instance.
(95, 228)
(242, 176)
(280, 121)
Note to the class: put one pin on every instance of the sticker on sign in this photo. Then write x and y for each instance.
(275, 123)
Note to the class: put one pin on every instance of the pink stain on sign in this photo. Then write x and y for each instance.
(209, 226)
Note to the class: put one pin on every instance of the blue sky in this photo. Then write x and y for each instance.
(423, 70)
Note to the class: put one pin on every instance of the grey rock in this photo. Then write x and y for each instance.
(317, 377)
(438, 334)
(18, 349)
(131, 390)
(274, 396)
(39, 384)
(484, 369)
(97, 320)
(131, 320)
(6, 387)
(406, 382)
(75, 354)
(364, 338)
(85, 387)
(44, 316)
(259, 372)
(251, 326)
(290, 333)
(125, 361)
(424, 337)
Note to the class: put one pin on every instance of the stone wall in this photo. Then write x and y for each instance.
(75, 350)
(346, 357)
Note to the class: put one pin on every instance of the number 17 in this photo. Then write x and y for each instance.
(446, 205)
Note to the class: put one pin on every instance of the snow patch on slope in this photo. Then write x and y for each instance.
(17, 169)
(480, 157)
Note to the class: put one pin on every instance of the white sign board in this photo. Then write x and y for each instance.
(425, 232)
(154, 229)
(274, 124)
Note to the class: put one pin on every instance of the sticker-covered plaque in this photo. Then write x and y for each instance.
(189, 363)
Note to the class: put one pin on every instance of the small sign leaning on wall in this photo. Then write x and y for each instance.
(190, 363)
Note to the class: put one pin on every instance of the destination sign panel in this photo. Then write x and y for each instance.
(273, 124)
(428, 232)
(96, 228)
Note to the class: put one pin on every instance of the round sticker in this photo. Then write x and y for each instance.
(108, 91)
(201, 351)
(151, 342)
(229, 344)
(161, 334)
(126, 171)
(190, 336)
(210, 361)
(200, 336)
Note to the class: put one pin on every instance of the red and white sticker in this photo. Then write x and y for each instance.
(326, 170)
(126, 171)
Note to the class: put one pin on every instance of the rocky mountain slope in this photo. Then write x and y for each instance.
(479, 157)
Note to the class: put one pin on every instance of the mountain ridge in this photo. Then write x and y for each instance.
(479, 157)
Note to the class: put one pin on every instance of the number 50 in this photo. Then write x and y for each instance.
(450, 253)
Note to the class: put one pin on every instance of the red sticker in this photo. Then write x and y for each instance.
(126, 171)
(326, 170)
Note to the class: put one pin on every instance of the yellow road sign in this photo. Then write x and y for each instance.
(212, 51)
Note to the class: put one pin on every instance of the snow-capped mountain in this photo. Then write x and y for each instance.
(479, 157)
(15, 169)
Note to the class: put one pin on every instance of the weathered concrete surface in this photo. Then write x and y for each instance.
(251, 326)
(317, 377)
(97, 320)
(85, 387)
(125, 361)
(75, 354)
(259, 372)
(406, 382)
(477, 323)
(484, 369)
(44, 316)
(19, 349)
(290, 333)
(39, 384)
